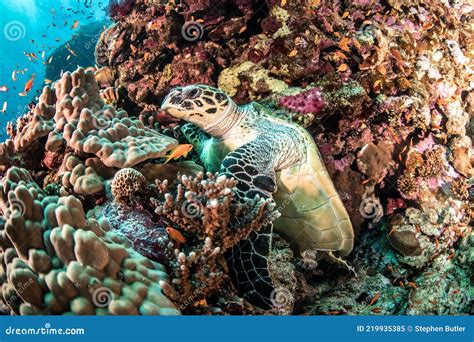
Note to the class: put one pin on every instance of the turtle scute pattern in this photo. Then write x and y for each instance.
(313, 216)
(55, 259)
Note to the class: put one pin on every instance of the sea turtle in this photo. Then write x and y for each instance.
(269, 156)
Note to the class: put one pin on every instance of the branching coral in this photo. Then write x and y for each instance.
(205, 221)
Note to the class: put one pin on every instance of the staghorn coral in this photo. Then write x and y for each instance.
(55, 260)
(206, 207)
(206, 220)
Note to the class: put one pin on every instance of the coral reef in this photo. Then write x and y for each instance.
(386, 90)
(74, 116)
(55, 260)
(383, 87)
(205, 221)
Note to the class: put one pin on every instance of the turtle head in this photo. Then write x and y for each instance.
(199, 104)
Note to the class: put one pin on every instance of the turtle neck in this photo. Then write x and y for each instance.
(232, 118)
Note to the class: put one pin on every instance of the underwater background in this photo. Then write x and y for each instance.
(114, 202)
(44, 27)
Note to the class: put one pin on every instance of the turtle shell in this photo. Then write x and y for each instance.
(313, 216)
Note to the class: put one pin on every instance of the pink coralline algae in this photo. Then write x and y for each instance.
(310, 101)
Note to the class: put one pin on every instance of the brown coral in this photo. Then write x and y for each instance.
(56, 260)
(126, 184)
(84, 178)
(75, 116)
(209, 218)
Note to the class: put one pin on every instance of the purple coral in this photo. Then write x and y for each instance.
(120, 8)
(310, 101)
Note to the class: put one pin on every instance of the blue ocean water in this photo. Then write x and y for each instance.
(33, 38)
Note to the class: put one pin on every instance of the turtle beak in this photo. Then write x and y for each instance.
(172, 103)
(172, 100)
(166, 102)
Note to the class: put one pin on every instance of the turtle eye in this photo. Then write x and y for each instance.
(193, 93)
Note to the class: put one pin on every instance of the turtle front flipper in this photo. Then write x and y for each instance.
(196, 136)
(249, 260)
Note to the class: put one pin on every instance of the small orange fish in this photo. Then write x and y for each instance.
(175, 235)
(293, 53)
(343, 67)
(76, 22)
(180, 150)
(31, 55)
(3, 88)
(343, 44)
(202, 302)
(29, 84)
(374, 299)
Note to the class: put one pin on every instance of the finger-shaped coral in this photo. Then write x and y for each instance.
(84, 178)
(72, 114)
(55, 260)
